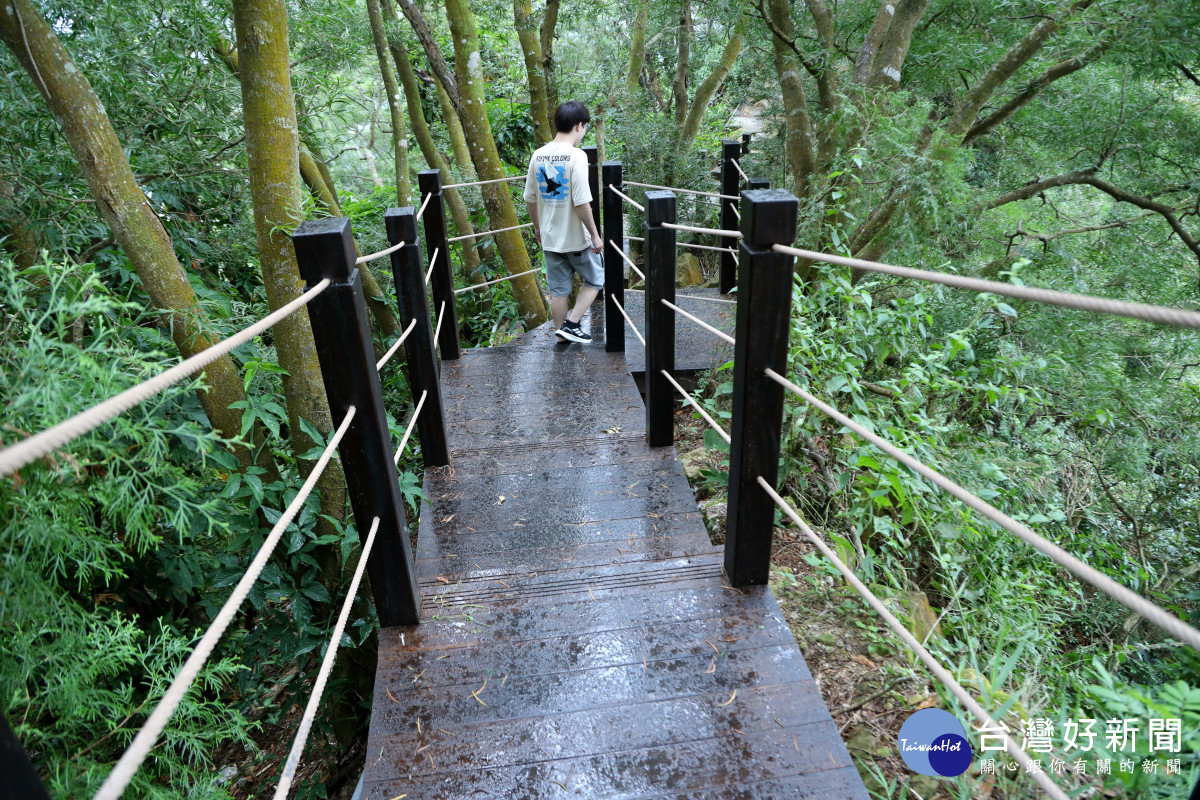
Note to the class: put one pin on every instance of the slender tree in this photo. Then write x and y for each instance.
(531, 50)
(392, 90)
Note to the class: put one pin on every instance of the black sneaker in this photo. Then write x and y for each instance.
(571, 331)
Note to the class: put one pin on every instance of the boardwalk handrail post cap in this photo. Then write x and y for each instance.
(769, 216)
(319, 265)
(428, 180)
(658, 211)
(404, 222)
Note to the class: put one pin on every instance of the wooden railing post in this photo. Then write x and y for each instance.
(759, 183)
(18, 778)
(341, 331)
(660, 320)
(422, 360)
(614, 265)
(763, 322)
(731, 150)
(593, 157)
(436, 240)
(746, 137)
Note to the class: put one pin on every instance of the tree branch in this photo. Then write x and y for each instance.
(1191, 76)
(437, 62)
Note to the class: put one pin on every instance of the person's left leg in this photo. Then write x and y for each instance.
(558, 309)
(587, 296)
(591, 272)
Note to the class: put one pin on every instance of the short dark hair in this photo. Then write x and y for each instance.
(570, 114)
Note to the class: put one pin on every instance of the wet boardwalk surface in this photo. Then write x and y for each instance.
(578, 636)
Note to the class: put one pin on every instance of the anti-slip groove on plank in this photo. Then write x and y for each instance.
(579, 637)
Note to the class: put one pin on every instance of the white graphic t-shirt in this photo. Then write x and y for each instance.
(558, 181)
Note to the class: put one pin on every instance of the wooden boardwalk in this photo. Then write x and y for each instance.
(578, 639)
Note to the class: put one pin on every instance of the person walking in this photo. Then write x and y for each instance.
(560, 206)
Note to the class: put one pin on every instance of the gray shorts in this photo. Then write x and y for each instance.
(559, 267)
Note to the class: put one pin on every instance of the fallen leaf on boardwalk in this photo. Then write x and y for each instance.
(730, 700)
(502, 583)
(613, 429)
(443, 579)
(500, 502)
(447, 519)
(418, 727)
(504, 681)
(389, 692)
(712, 666)
(590, 593)
(475, 693)
(713, 646)
(400, 797)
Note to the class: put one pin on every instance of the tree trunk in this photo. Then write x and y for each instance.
(399, 137)
(799, 143)
(679, 86)
(531, 49)
(637, 50)
(549, 68)
(454, 129)
(21, 241)
(123, 206)
(686, 133)
(433, 156)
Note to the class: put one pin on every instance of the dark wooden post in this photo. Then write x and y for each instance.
(325, 249)
(593, 157)
(760, 183)
(18, 778)
(614, 265)
(746, 137)
(422, 360)
(436, 240)
(660, 320)
(763, 322)
(731, 150)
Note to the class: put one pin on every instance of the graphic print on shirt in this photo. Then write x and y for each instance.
(556, 186)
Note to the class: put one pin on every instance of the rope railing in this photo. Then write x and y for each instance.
(358, 262)
(632, 327)
(939, 672)
(498, 280)
(432, 261)
(627, 198)
(1081, 570)
(441, 314)
(421, 211)
(34, 447)
(715, 331)
(314, 700)
(628, 260)
(738, 167)
(411, 423)
(713, 231)
(693, 297)
(144, 741)
(684, 191)
(1160, 314)
(484, 183)
(708, 247)
(689, 399)
(489, 233)
(736, 213)
(398, 344)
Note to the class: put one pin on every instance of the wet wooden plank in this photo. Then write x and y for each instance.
(695, 348)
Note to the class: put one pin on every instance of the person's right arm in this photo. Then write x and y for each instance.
(537, 223)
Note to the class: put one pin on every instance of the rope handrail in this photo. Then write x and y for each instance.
(144, 741)
(392, 350)
(733, 208)
(939, 672)
(626, 198)
(498, 280)
(713, 231)
(692, 297)
(358, 262)
(628, 260)
(729, 250)
(421, 211)
(1149, 313)
(314, 700)
(738, 167)
(685, 191)
(438, 328)
(411, 423)
(432, 261)
(712, 422)
(633, 327)
(484, 183)
(700, 322)
(489, 233)
(1081, 570)
(34, 447)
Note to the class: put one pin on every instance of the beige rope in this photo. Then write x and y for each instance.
(145, 739)
(627, 198)
(733, 208)
(936, 668)
(484, 183)
(713, 231)
(364, 259)
(399, 342)
(720, 431)
(408, 431)
(1130, 599)
(627, 319)
(432, 261)
(636, 238)
(738, 167)
(1149, 313)
(700, 322)
(693, 297)
(34, 447)
(628, 260)
(428, 197)
(438, 329)
(489, 233)
(498, 280)
(729, 250)
(685, 191)
(314, 700)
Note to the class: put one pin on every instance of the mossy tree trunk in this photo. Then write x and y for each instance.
(549, 67)
(531, 50)
(637, 50)
(124, 208)
(708, 88)
(392, 89)
(20, 239)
